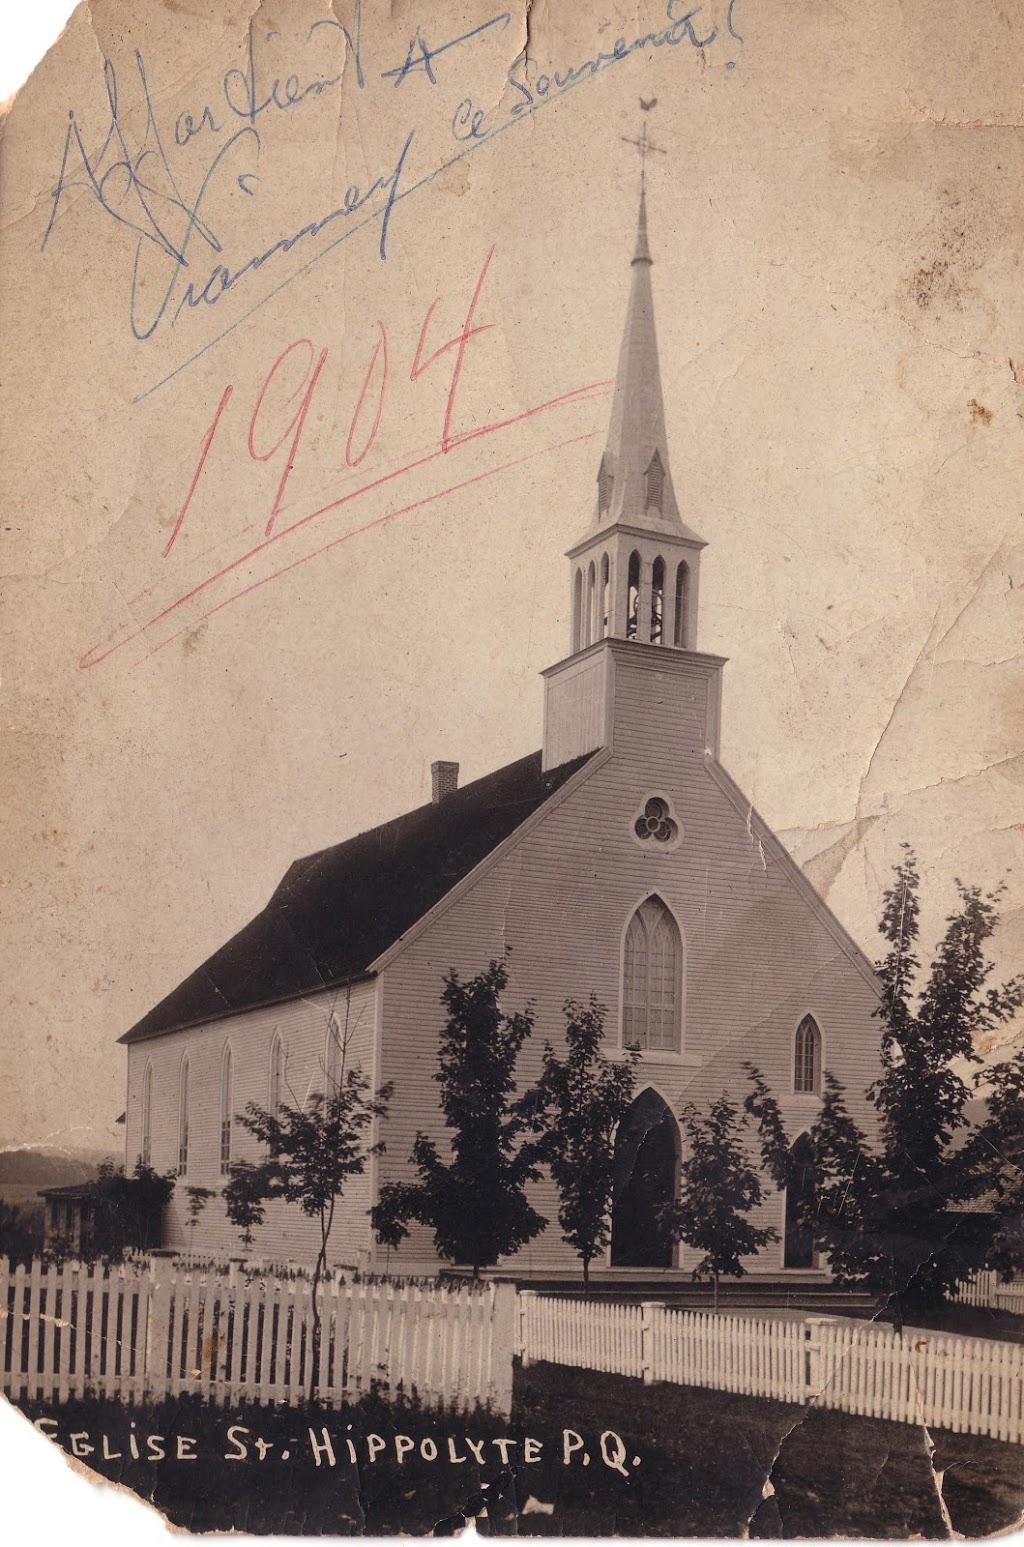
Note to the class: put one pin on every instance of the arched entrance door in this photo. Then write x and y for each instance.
(799, 1243)
(646, 1165)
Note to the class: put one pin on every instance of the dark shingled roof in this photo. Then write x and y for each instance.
(336, 911)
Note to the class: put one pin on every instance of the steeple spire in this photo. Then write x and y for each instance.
(634, 483)
(643, 252)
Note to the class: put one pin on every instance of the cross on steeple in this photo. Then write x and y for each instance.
(643, 144)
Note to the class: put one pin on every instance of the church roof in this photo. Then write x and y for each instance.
(334, 912)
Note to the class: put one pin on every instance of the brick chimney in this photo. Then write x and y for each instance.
(444, 781)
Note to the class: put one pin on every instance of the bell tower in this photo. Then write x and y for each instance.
(635, 574)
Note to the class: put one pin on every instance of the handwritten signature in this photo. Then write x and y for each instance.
(138, 184)
(470, 122)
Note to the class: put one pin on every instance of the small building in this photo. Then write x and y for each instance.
(620, 859)
(69, 1217)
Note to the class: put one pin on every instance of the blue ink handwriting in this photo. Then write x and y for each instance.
(425, 61)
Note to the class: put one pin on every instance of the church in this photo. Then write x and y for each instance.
(619, 860)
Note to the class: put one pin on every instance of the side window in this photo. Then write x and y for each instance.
(276, 1083)
(147, 1116)
(183, 1117)
(226, 1114)
(807, 1058)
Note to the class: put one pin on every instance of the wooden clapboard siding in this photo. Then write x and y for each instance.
(761, 948)
(286, 1235)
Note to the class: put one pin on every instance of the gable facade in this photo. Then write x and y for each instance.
(760, 952)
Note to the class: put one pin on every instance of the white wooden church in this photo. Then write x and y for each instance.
(619, 860)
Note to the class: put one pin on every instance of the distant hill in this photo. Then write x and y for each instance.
(44, 1168)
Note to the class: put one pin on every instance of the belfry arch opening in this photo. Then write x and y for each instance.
(645, 1178)
(682, 606)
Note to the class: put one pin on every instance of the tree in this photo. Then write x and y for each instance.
(312, 1152)
(475, 1204)
(901, 1217)
(127, 1211)
(245, 1195)
(198, 1198)
(995, 1155)
(719, 1187)
(580, 1101)
(20, 1236)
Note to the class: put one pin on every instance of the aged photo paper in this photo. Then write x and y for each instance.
(513, 765)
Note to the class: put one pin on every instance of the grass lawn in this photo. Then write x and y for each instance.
(685, 1462)
(707, 1454)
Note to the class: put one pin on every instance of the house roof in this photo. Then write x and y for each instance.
(334, 912)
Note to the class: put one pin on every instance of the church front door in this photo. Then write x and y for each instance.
(646, 1166)
(799, 1243)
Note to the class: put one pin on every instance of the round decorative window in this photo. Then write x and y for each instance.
(655, 825)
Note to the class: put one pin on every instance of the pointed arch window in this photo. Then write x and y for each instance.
(657, 601)
(591, 604)
(276, 1084)
(652, 980)
(146, 1155)
(807, 1058)
(577, 611)
(604, 486)
(183, 1117)
(655, 480)
(682, 605)
(332, 1059)
(633, 596)
(606, 576)
(225, 1110)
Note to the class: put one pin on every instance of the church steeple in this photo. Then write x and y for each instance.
(634, 481)
(635, 575)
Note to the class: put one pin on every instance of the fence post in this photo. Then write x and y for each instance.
(158, 1325)
(650, 1321)
(525, 1297)
(505, 1334)
(814, 1373)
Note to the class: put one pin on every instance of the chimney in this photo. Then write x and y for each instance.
(444, 781)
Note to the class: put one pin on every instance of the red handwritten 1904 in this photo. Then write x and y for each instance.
(299, 367)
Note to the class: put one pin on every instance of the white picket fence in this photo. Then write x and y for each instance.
(143, 1331)
(968, 1385)
(986, 1290)
(147, 1332)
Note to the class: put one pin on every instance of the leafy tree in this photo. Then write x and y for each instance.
(20, 1236)
(475, 1204)
(580, 1101)
(312, 1152)
(198, 1198)
(245, 1196)
(900, 1217)
(128, 1211)
(719, 1187)
(994, 1154)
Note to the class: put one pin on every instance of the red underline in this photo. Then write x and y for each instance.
(91, 658)
(357, 531)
